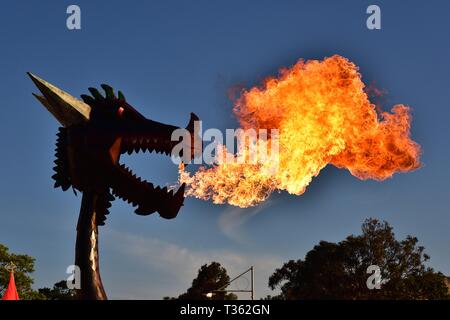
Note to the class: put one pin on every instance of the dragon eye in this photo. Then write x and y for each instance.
(120, 111)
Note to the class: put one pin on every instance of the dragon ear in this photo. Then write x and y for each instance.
(121, 96)
(109, 91)
(97, 95)
(88, 99)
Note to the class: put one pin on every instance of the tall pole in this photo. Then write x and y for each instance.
(253, 282)
(86, 250)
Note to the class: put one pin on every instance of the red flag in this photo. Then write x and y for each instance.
(11, 291)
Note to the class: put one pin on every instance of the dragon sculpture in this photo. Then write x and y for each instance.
(95, 132)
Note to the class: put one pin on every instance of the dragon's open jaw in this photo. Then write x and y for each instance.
(141, 193)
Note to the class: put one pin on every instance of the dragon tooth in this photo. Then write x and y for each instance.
(180, 191)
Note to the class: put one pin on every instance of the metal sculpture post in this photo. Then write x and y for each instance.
(94, 133)
(87, 242)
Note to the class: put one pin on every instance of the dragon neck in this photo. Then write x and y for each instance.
(86, 250)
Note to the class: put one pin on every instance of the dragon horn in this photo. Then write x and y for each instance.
(67, 109)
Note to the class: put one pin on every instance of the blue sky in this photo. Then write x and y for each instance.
(174, 57)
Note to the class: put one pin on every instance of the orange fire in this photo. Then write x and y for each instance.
(324, 116)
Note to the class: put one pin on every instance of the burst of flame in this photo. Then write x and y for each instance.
(324, 116)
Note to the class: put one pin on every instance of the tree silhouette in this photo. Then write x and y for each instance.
(339, 270)
(210, 278)
(58, 292)
(22, 274)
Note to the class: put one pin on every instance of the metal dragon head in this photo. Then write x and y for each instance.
(94, 135)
